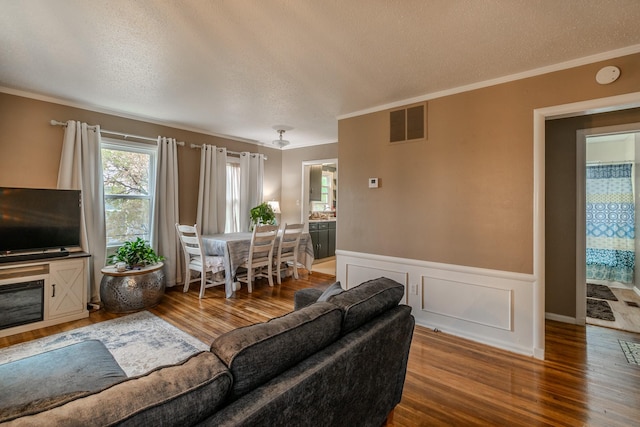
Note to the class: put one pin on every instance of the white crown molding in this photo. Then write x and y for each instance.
(39, 97)
(604, 56)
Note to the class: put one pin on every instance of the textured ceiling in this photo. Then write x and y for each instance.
(240, 67)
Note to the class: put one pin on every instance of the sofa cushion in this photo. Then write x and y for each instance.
(45, 380)
(305, 297)
(332, 290)
(366, 301)
(257, 353)
(176, 395)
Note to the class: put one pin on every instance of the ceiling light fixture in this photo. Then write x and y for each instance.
(281, 130)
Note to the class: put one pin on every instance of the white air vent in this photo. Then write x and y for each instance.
(408, 123)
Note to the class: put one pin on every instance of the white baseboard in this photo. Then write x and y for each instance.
(488, 306)
(561, 318)
(636, 290)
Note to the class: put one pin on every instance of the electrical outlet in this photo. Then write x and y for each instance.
(413, 288)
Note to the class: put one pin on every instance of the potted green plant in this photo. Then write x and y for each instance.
(138, 280)
(135, 254)
(262, 215)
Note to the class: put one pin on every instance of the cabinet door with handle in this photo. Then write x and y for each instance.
(66, 290)
(315, 183)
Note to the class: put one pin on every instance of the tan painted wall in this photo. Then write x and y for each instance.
(30, 147)
(560, 218)
(464, 196)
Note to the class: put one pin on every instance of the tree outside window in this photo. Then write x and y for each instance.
(129, 188)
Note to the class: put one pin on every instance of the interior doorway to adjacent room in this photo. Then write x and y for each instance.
(608, 204)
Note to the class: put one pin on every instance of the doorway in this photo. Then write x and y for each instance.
(555, 295)
(607, 274)
(326, 166)
(320, 210)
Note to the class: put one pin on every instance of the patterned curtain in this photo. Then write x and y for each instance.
(610, 223)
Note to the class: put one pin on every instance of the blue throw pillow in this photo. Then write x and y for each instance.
(332, 290)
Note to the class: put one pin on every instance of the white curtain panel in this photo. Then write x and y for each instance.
(251, 178)
(212, 191)
(166, 210)
(81, 169)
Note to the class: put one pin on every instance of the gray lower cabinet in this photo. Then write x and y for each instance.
(331, 249)
(323, 236)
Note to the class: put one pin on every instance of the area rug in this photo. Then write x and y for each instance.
(139, 342)
(599, 309)
(631, 351)
(600, 292)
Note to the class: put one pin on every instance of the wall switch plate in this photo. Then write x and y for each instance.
(413, 288)
(373, 182)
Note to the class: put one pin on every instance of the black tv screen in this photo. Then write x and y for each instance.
(38, 219)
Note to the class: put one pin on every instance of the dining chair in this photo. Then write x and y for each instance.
(260, 255)
(288, 250)
(195, 259)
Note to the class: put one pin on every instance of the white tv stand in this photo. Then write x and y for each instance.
(65, 288)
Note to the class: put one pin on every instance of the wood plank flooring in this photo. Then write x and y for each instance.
(584, 381)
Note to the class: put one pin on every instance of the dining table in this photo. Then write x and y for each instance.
(234, 248)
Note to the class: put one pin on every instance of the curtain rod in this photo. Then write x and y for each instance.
(235, 153)
(145, 138)
(618, 162)
(123, 135)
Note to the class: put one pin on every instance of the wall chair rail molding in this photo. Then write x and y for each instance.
(488, 306)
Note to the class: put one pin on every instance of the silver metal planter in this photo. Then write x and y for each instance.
(132, 290)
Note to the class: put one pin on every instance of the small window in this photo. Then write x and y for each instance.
(326, 199)
(129, 190)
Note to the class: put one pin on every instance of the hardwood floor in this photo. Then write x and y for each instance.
(585, 379)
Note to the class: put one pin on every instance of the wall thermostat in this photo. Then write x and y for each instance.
(373, 182)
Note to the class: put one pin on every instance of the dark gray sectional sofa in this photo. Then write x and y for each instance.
(339, 362)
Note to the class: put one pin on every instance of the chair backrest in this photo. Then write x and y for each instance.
(190, 241)
(290, 238)
(262, 241)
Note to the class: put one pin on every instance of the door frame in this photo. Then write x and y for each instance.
(540, 115)
(581, 239)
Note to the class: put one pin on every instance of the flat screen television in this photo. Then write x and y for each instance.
(37, 220)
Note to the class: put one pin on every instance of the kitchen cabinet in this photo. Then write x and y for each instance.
(315, 183)
(331, 248)
(323, 236)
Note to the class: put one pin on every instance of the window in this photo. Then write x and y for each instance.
(129, 188)
(326, 198)
(232, 223)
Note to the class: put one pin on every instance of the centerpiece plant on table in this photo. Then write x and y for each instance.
(262, 215)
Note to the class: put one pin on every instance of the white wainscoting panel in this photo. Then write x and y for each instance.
(484, 305)
(356, 274)
(488, 306)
